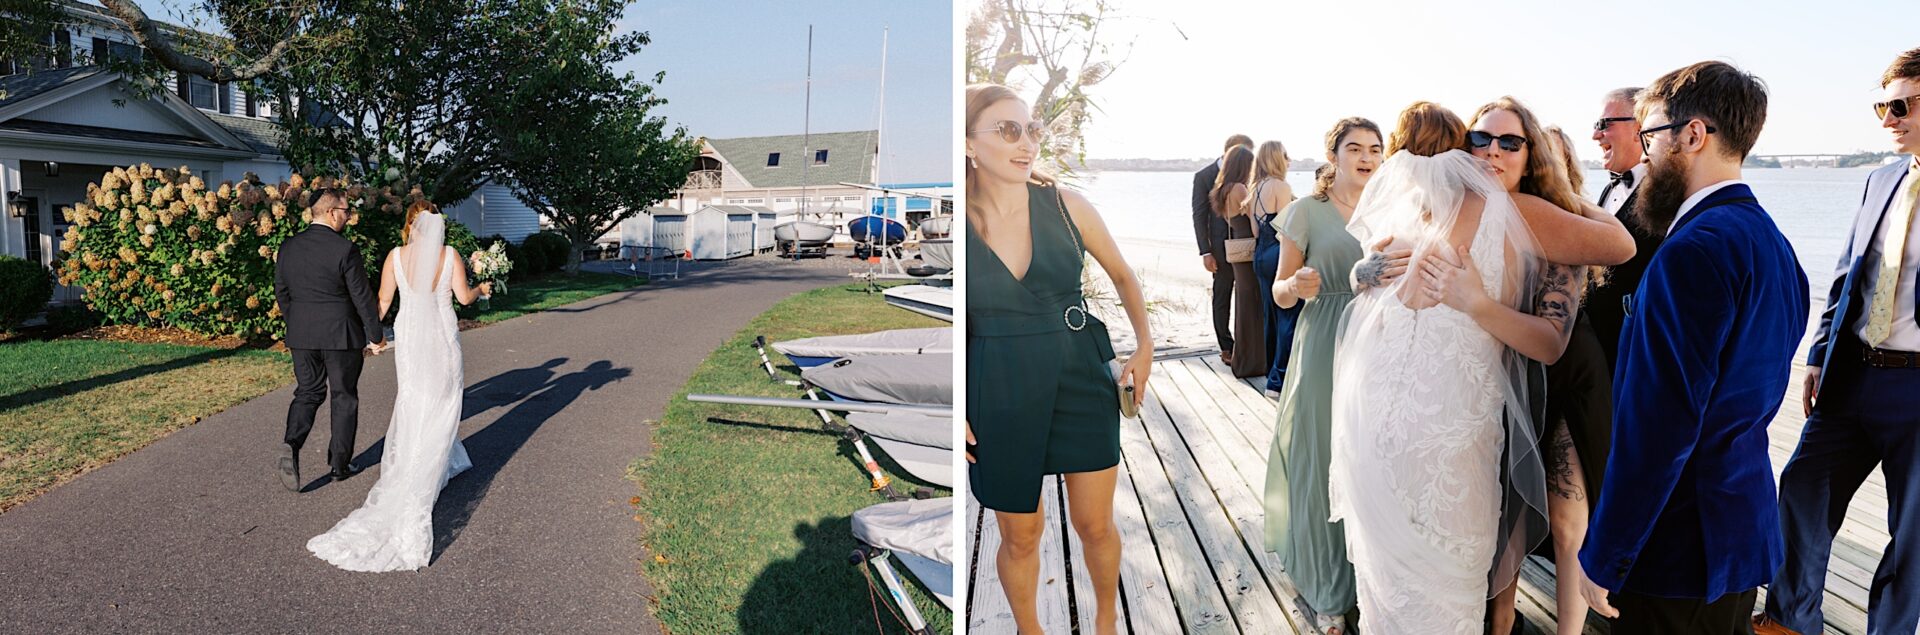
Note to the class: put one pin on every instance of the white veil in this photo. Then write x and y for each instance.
(1418, 200)
(425, 251)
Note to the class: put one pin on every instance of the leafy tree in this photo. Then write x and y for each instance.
(595, 155)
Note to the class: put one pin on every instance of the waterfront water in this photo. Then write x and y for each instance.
(1150, 214)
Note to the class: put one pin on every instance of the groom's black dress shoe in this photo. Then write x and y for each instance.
(289, 468)
(341, 474)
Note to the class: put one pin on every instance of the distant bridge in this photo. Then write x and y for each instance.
(1802, 160)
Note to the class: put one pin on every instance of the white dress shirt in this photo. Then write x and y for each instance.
(1905, 335)
(1621, 193)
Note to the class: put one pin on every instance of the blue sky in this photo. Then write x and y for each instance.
(738, 69)
(1200, 70)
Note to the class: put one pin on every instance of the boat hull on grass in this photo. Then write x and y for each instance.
(895, 379)
(814, 351)
(926, 300)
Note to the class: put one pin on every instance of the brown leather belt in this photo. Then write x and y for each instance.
(1881, 358)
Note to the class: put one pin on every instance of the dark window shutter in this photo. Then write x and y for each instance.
(182, 84)
(63, 48)
(100, 50)
(252, 109)
(226, 98)
(6, 66)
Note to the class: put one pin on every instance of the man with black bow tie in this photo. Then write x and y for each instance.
(1619, 137)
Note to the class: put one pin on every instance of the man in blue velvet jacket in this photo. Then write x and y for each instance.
(1861, 392)
(1686, 528)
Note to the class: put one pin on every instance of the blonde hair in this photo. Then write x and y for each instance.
(1270, 160)
(979, 98)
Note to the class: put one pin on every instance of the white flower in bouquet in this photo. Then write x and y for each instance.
(491, 264)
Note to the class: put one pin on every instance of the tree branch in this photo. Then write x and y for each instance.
(148, 35)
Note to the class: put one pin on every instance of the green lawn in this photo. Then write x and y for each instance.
(546, 292)
(69, 406)
(748, 517)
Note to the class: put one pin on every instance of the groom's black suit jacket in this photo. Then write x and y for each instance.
(322, 287)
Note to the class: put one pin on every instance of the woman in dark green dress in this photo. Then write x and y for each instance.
(1040, 396)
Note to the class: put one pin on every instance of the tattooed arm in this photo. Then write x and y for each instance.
(1543, 335)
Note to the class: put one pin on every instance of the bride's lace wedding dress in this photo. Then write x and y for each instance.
(1419, 399)
(393, 530)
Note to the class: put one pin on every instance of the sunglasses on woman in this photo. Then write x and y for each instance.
(1508, 142)
(1012, 131)
(1898, 107)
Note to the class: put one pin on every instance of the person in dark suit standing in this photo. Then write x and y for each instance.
(321, 284)
(1687, 529)
(1210, 232)
(1860, 393)
(1618, 134)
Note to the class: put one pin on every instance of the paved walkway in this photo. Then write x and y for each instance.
(195, 534)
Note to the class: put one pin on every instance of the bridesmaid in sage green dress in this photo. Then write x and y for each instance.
(1316, 255)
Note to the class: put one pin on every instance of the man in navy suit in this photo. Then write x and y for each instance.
(1861, 392)
(1210, 231)
(1686, 529)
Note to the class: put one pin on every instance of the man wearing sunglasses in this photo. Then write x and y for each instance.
(1210, 231)
(1861, 392)
(320, 281)
(1618, 134)
(1686, 528)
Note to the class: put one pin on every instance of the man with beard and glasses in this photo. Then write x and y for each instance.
(1862, 388)
(1686, 529)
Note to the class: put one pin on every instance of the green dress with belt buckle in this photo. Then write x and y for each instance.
(1040, 397)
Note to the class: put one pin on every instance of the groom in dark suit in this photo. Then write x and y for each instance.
(320, 282)
(1861, 392)
(1686, 529)
(1210, 231)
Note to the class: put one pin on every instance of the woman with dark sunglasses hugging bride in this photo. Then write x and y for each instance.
(1040, 397)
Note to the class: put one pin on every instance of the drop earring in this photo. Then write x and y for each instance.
(971, 164)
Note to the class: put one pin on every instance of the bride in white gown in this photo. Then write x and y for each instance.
(393, 530)
(1434, 466)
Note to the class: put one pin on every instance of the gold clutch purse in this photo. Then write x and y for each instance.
(1128, 408)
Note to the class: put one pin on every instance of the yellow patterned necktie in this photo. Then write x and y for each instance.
(1880, 315)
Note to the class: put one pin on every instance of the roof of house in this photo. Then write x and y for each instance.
(95, 132)
(21, 86)
(850, 157)
(265, 137)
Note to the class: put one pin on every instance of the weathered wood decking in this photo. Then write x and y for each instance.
(1189, 511)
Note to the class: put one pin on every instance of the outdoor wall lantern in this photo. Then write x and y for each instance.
(53, 170)
(16, 207)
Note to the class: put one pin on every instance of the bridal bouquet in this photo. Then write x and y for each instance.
(491, 265)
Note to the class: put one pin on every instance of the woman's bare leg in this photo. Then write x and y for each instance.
(1503, 608)
(1018, 561)
(1090, 501)
(1567, 512)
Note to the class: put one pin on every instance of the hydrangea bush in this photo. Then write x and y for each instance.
(158, 247)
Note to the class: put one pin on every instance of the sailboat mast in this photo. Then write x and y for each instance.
(806, 129)
(880, 126)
